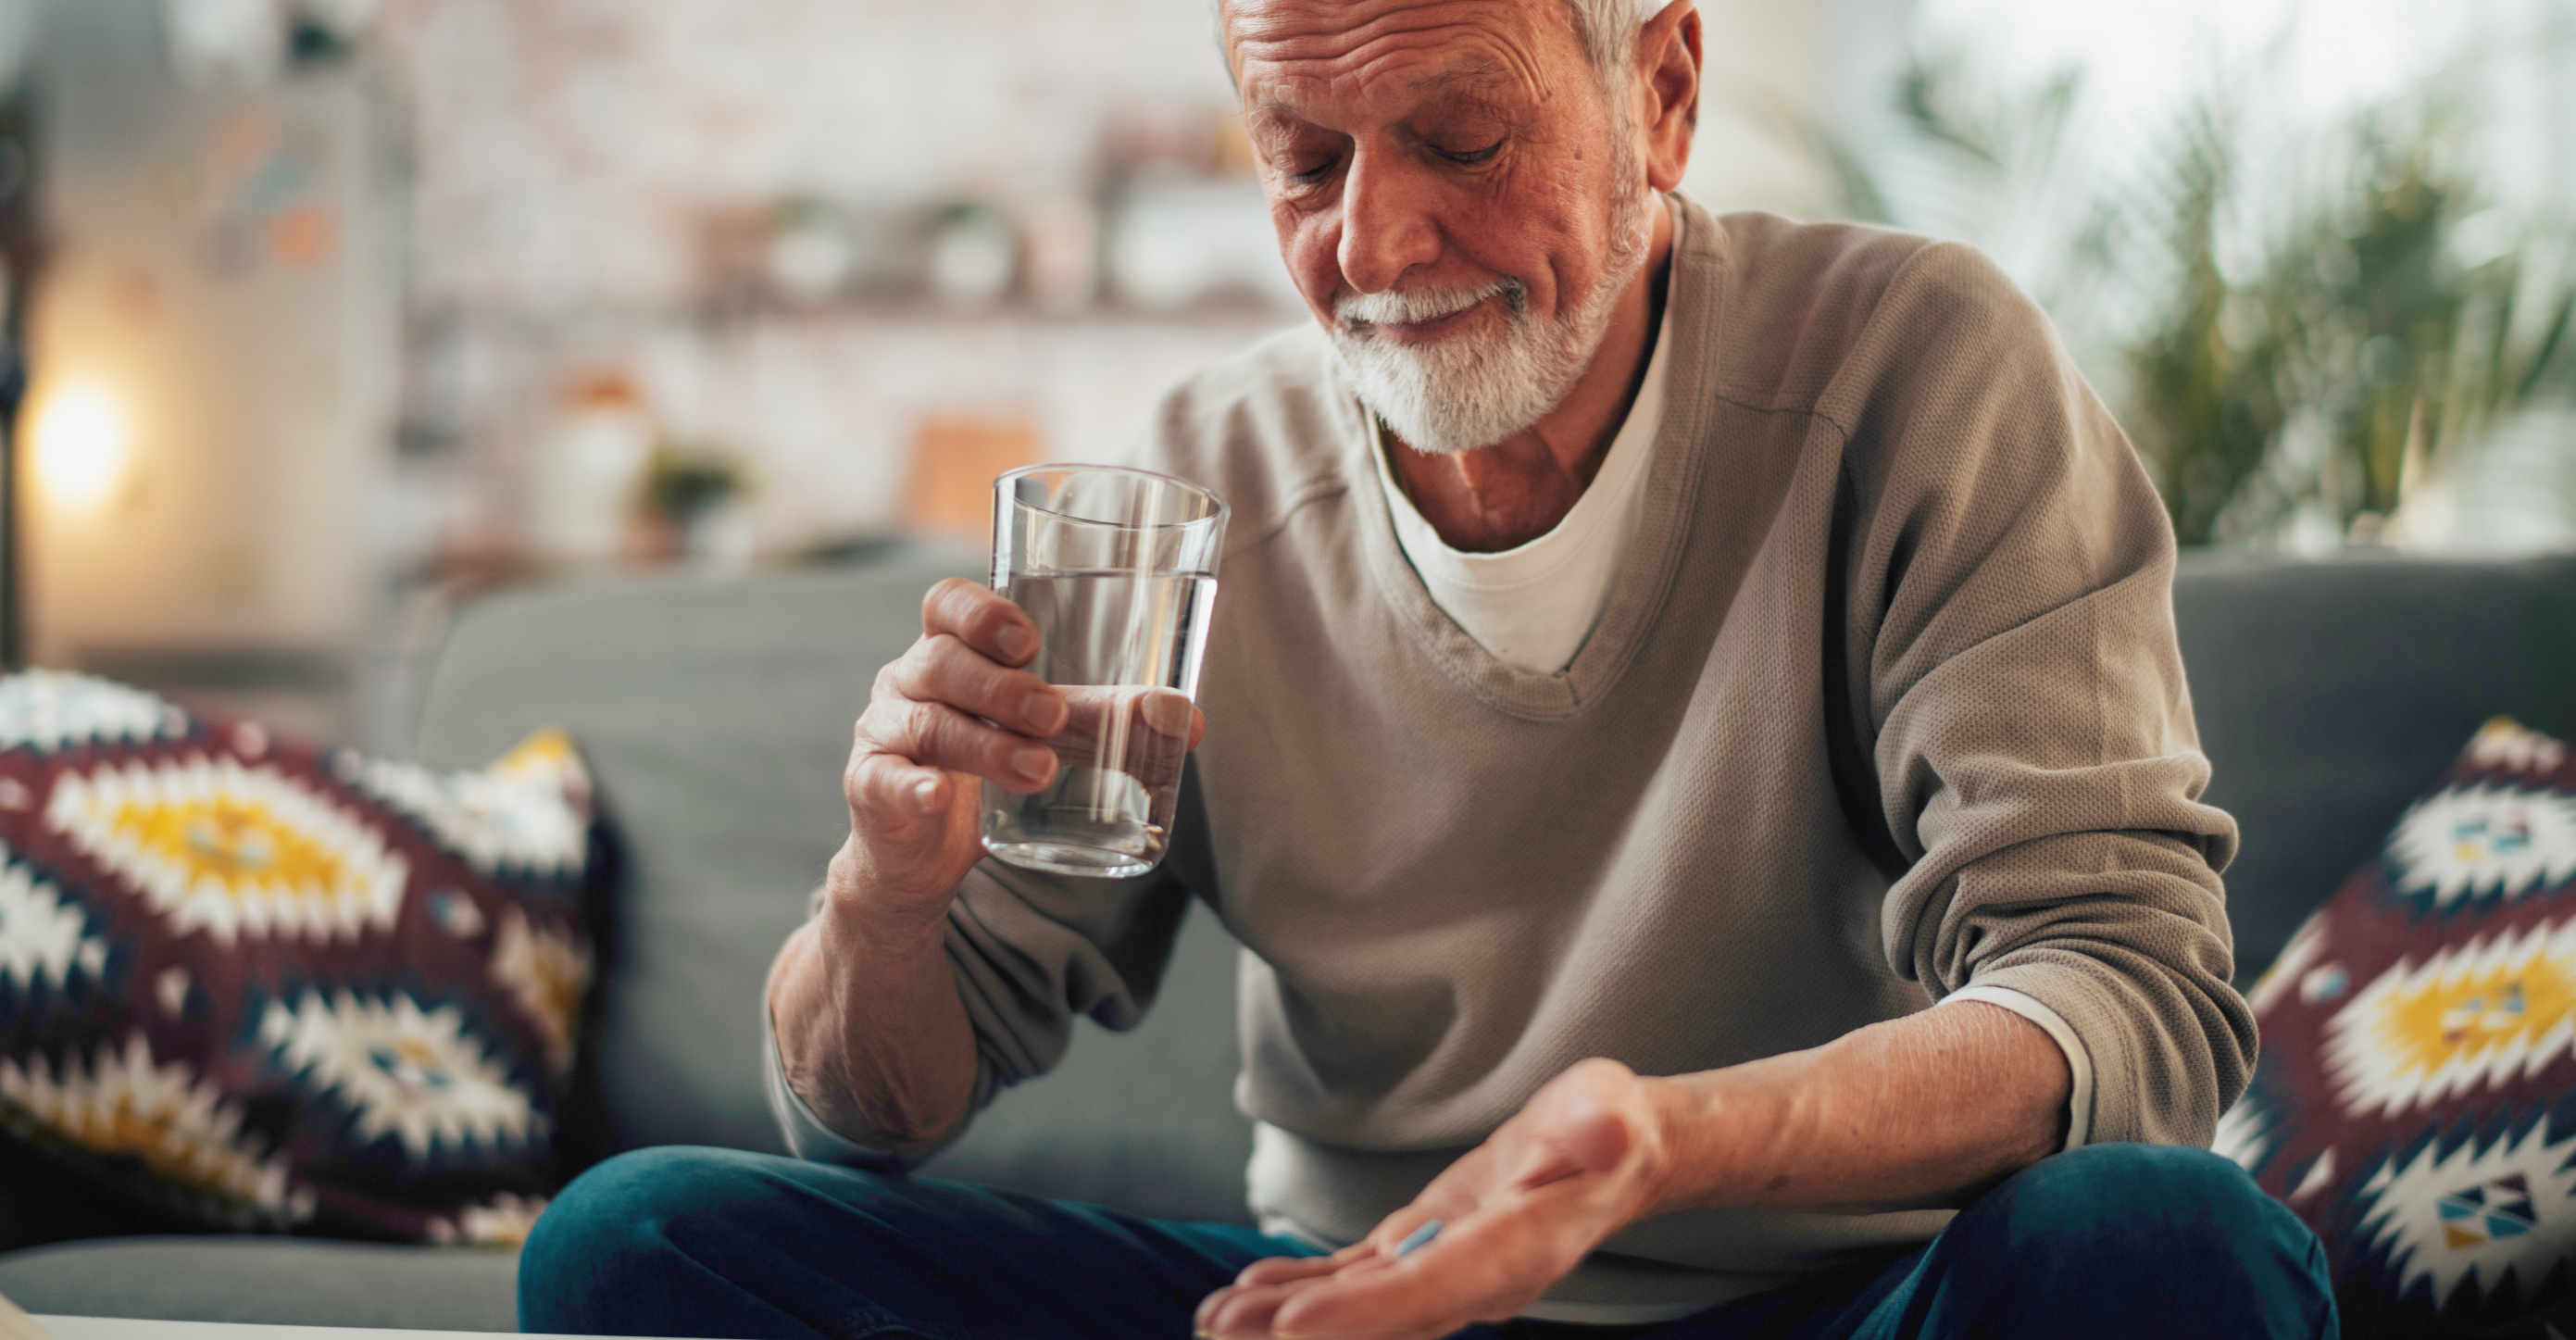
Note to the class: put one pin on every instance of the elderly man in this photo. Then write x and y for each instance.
(1693, 740)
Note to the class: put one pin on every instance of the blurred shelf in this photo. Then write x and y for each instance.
(1228, 315)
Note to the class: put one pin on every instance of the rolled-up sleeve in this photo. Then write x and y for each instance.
(2010, 619)
(1029, 953)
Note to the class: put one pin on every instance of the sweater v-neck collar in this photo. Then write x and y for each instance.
(1646, 576)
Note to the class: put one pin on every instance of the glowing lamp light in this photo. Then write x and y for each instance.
(80, 443)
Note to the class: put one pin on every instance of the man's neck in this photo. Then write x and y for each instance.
(1506, 495)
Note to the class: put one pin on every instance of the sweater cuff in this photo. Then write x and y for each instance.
(806, 1135)
(2079, 1063)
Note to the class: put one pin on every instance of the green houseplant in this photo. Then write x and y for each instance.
(2288, 325)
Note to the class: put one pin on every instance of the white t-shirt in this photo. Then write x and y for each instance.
(1534, 605)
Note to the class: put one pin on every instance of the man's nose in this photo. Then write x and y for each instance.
(1389, 222)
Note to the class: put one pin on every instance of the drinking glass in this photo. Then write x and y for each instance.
(1117, 568)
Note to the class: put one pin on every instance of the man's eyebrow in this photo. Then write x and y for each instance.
(1268, 115)
(1272, 112)
(1480, 74)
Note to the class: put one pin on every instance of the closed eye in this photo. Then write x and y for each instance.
(1316, 173)
(1470, 157)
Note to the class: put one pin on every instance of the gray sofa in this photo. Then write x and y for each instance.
(717, 716)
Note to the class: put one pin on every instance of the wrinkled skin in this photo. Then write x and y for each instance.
(1445, 146)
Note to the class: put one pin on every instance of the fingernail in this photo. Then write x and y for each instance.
(1167, 711)
(925, 794)
(1043, 710)
(1018, 643)
(1032, 762)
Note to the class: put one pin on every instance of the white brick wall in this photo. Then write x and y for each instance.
(567, 153)
(566, 146)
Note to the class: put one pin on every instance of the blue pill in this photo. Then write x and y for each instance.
(1418, 1239)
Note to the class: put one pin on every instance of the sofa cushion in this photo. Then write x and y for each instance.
(2328, 693)
(268, 986)
(716, 715)
(2415, 1101)
(270, 1281)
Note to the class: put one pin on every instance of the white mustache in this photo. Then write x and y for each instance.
(1361, 310)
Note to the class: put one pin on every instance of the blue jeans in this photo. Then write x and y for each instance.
(2098, 1243)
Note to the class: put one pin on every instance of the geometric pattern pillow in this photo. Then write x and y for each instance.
(2415, 1097)
(270, 987)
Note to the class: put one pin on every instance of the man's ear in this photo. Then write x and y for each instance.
(1668, 66)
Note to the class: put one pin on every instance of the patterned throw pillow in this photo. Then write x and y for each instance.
(273, 988)
(2415, 1101)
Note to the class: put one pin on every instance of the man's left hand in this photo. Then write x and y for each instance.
(1582, 1160)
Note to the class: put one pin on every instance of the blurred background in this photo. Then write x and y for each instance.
(328, 313)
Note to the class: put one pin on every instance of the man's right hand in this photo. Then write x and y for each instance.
(871, 1033)
(957, 707)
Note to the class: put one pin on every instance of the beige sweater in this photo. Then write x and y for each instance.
(1886, 702)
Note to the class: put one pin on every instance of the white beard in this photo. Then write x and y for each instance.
(1475, 389)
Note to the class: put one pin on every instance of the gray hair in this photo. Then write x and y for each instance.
(1608, 31)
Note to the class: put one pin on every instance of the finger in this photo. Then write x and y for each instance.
(1240, 1312)
(1281, 1269)
(1198, 727)
(884, 784)
(981, 619)
(1267, 1281)
(1165, 711)
(935, 735)
(1362, 1250)
(1218, 1311)
(941, 668)
(1468, 1273)
(1337, 1307)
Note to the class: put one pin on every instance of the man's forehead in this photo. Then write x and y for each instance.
(1254, 16)
(1262, 14)
(1423, 45)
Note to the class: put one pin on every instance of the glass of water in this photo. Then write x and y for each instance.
(1117, 568)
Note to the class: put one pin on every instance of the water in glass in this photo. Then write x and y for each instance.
(1125, 647)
